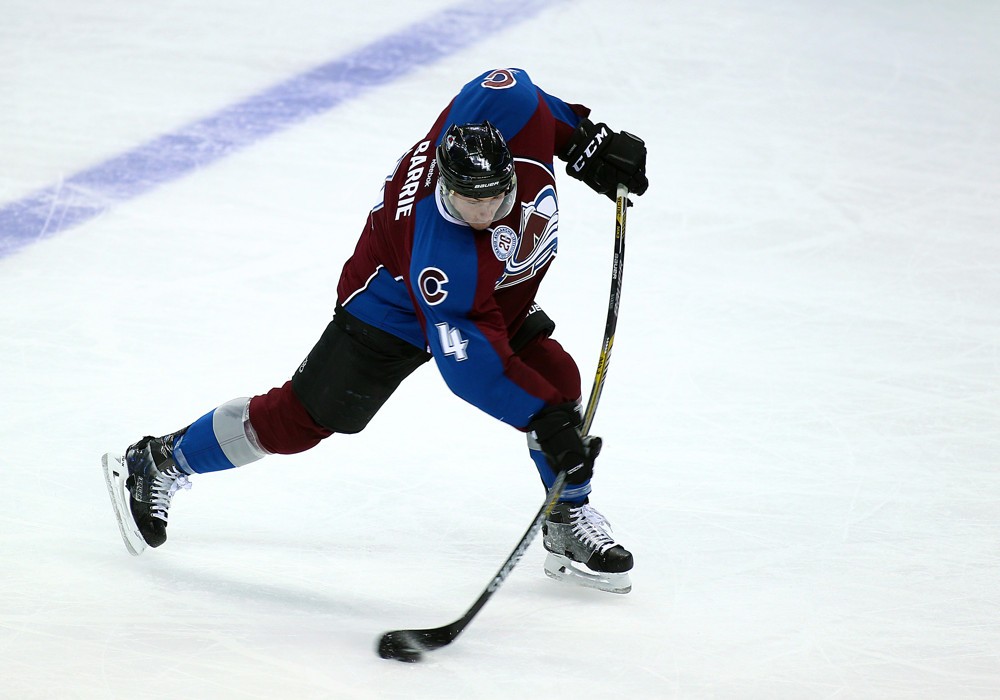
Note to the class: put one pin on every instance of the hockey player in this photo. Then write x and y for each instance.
(447, 267)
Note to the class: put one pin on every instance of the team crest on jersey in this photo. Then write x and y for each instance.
(500, 79)
(537, 243)
(431, 282)
(504, 242)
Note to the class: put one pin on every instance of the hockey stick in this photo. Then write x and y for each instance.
(617, 267)
(409, 645)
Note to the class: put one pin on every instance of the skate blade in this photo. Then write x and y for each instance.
(115, 475)
(562, 568)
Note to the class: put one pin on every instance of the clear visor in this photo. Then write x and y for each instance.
(478, 211)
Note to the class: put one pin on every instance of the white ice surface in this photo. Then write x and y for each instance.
(802, 418)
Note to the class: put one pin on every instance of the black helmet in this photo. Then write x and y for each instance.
(474, 161)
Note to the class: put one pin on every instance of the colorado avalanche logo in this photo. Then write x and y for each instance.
(431, 283)
(504, 242)
(500, 79)
(536, 245)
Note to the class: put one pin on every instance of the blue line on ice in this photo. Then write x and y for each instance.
(86, 194)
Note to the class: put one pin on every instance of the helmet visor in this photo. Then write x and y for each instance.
(479, 210)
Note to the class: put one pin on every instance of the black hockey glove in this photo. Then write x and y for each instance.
(604, 159)
(555, 429)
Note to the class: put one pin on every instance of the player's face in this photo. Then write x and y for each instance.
(477, 213)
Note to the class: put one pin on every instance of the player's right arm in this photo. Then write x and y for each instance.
(465, 328)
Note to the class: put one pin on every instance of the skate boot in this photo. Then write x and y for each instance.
(576, 534)
(141, 487)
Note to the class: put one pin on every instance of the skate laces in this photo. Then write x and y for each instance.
(165, 485)
(592, 527)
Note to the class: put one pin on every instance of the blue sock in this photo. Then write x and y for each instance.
(198, 450)
(220, 439)
(572, 493)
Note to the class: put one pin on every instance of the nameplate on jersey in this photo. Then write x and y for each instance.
(414, 172)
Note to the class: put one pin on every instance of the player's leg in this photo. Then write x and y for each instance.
(346, 378)
(535, 347)
(575, 533)
(548, 358)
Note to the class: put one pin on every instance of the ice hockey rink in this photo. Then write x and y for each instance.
(801, 418)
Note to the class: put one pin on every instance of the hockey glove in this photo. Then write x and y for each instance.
(556, 431)
(604, 159)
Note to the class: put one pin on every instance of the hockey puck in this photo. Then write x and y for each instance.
(399, 646)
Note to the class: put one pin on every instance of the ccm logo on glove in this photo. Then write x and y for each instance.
(591, 149)
(605, 159)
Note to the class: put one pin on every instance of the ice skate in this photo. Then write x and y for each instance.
(582, 551)
(141, 487)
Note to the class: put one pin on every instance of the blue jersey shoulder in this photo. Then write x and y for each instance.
(505, 96)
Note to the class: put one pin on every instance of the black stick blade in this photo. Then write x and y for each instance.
(400, 645)
(410, 645)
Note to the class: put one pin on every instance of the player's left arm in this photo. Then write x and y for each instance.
(594, 153)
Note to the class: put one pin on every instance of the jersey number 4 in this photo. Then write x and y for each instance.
(452, 341)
